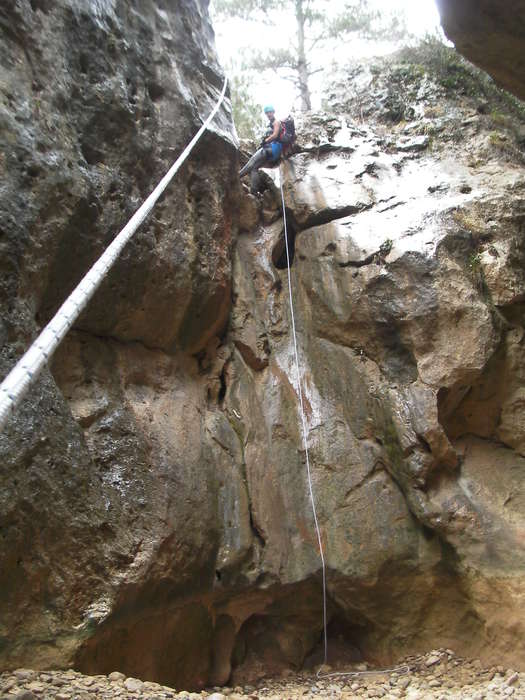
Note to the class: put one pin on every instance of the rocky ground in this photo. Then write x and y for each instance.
(439, 674)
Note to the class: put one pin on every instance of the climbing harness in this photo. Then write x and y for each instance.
(303, 421)
(27, 369)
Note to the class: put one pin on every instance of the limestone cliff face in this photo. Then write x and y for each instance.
(154, 505)
(406, 206)
(101, 481)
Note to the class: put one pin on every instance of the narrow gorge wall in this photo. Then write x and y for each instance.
(406, 206)
(154, 510)
(109, 491)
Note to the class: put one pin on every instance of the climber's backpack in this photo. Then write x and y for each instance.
(287, 135)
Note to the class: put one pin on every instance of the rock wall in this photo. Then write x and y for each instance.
(406, 210)
(97, 100)
(155, 516)
(490, 34)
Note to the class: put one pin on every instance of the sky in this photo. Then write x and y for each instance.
(231, 37)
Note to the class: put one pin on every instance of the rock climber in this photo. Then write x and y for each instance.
(271, 148)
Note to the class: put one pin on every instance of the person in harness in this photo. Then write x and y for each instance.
(278, 136)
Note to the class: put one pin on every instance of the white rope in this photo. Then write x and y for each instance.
(303, 421)
(402, 670)
(399, 669)
(25, 372)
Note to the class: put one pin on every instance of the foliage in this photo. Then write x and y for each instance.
(471, 222)
(246, 112)
(315, 26)
(449, 69)
(497, 139)
(474, 261)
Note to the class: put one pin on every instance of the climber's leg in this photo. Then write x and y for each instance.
(255, 161)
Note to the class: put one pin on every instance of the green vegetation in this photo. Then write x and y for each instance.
(247, 114)
(496, 138)
(313, 25)
(454, 73)
(478, 275)
(474, 262)
(471, 222)
(498, 118)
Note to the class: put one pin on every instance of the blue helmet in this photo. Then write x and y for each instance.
(268, 108)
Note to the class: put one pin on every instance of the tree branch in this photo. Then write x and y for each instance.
(248, 10)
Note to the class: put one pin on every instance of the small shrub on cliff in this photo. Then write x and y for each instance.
(474, 262)
(504, 143)
(496, 139)
(444, 65)
(457, 76)
(471, 222)
(499, 119)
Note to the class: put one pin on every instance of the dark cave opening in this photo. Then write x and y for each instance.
(344, 643)
(223, 387)
(271, 643)
(279, 250)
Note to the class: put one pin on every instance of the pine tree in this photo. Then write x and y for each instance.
(246, 112)
(314, 25)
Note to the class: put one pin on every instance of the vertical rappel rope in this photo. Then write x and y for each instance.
(303, 421)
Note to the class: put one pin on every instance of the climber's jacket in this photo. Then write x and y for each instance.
(274, 131)
(283, 132)
(277, 141)
(271, 144)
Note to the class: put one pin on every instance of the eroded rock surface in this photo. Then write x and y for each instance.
(155, 507)
(490, 34)
(410, 332)
(97, 101)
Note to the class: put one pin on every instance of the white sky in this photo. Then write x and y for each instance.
(234, 35)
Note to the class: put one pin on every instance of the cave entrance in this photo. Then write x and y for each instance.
(279, 249)
(344, 643)
(268, 644)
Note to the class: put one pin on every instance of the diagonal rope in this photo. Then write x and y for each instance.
(27, 369)
(303, 421)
